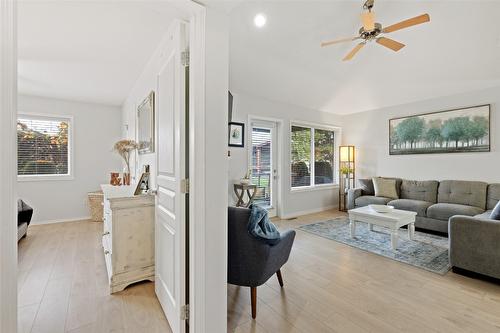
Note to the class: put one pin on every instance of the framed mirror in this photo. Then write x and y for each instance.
(146, 125)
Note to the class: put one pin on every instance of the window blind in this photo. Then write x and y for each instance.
(43, 146)
(324, 151)
(262, 164)
(301, 156)
(312, 156)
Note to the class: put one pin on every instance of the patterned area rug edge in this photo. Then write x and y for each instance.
(426, 251)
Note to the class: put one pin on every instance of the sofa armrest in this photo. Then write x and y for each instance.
(474, 244)
(352, 195)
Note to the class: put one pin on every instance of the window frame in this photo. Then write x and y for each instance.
(46, 116)
(337, 138)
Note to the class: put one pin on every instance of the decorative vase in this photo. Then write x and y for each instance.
(126, 178)
(346, 181)
(245, 181)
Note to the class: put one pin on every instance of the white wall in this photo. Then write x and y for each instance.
(95, 129)
(292, 203)
(369, 132)
(215, 170)
(8, 211)
(145, 84)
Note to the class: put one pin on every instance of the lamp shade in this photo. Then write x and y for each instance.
(346, 153)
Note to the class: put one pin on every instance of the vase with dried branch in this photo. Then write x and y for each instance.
(124, 148)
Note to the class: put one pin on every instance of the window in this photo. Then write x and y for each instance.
(43, 147)
(312, 156)
(262, 164)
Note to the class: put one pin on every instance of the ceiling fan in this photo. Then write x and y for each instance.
(372, 31)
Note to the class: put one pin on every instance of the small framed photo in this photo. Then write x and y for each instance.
(142, 185)
(236, 135)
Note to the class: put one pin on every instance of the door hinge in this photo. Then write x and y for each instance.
(185, 185)
(185, 312)
(185, 58)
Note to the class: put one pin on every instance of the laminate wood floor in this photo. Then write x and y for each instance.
(62, 286)
(332, 287)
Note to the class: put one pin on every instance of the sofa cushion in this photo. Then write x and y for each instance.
(385, 187)
(418, 206)
(443, 211)
(366, 185)
(366, 200)
(419, 190)
(495, 214)
(493, 196)
(398, 184)
(485, 215)
(463, 193)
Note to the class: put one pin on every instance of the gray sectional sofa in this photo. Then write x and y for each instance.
(435, 202)
(460, 208)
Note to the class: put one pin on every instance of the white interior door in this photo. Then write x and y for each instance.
(170, 230)
(263, 162)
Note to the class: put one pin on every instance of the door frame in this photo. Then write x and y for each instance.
(8, 171)
(279, 163)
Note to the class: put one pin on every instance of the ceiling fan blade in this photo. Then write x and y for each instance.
(407, 23)
(354, 51)
(390, 43)
(337, 41)
(368, 19)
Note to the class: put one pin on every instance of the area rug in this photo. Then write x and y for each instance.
(426, 251)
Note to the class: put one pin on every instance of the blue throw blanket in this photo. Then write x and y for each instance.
(260, 227)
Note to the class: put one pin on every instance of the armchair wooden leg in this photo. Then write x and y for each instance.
(280, 278)
(253, 292)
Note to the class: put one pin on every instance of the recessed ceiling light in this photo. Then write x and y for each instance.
(260, 20)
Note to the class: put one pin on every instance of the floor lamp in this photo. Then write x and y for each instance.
(346, 174)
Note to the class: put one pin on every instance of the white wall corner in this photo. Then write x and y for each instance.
(8, 168)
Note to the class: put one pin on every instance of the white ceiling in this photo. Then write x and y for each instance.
(91, 51)
(458, 51)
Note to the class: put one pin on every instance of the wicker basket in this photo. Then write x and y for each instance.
(95, 202)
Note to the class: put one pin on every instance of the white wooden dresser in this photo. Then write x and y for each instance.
(128, 236)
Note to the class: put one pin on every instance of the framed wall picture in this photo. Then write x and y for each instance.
(453, 131)
(146, 125)
(236, 134)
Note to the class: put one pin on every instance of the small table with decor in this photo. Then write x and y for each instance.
(240, 190)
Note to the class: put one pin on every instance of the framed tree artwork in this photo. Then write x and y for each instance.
(453, 131)
(236, 134)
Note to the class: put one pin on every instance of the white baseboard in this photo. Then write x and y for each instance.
(306, 212)
(75, 219)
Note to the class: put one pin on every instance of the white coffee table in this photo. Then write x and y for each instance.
(392, 220)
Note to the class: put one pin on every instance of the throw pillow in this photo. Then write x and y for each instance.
(385, 188)
(366, 185)
(495, 214)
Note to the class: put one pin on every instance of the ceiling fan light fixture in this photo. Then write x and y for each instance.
(368, 19)
(371, 31)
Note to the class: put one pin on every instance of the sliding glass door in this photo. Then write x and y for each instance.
(263, 164)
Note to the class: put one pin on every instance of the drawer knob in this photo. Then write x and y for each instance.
(106, 252)
(106, 233)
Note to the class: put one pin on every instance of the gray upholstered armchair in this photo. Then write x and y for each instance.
(252, 262)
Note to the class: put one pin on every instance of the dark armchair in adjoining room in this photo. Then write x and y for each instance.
(252, 262)
(24, 214)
